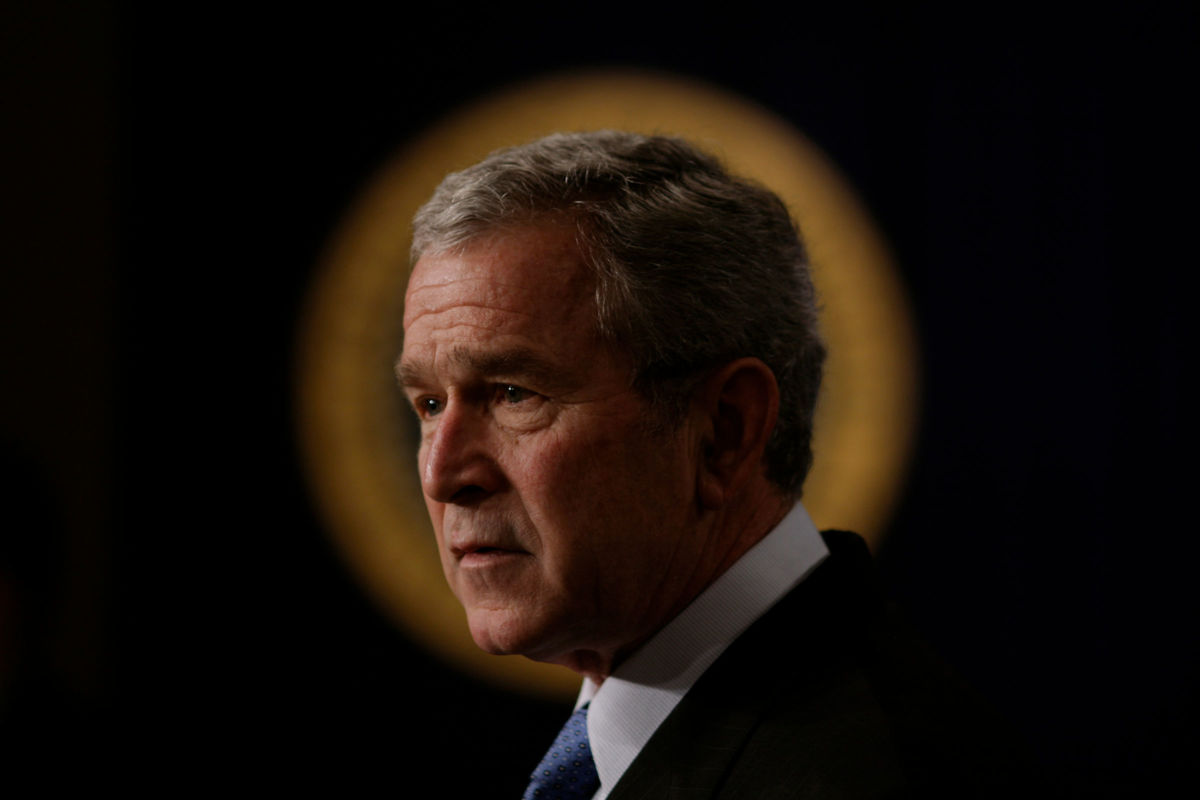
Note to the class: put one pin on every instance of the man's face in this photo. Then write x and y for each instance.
(564, 525)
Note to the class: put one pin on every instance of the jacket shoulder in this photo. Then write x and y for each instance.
(829, 694)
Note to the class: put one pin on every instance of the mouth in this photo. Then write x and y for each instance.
(478, 554)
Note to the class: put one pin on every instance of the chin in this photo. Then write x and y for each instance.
(500, 633)
(512, 633)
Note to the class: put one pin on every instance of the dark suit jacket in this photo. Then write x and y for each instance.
(827, 696)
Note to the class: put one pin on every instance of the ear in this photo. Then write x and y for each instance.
(739, 404)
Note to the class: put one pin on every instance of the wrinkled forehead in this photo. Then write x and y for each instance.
(533, 271)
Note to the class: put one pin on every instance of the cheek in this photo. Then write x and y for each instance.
(562, 477)
(585, 497)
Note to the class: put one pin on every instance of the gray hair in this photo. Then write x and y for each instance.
(694, 267)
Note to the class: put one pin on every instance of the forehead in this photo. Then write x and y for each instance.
(530, 281)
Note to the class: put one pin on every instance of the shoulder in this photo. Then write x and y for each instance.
(830, 694)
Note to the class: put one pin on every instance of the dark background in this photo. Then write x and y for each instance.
(171, 613)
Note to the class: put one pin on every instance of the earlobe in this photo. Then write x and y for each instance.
(740, 403)
(710, 491)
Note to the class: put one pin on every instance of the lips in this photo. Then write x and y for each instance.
(483, 540)
(482, 547)
(484, 557)
(481, 550)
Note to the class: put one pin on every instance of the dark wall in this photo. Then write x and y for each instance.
(173, 609)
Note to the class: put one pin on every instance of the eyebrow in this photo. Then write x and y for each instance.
(518, 362)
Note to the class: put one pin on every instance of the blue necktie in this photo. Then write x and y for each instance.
(567, 772)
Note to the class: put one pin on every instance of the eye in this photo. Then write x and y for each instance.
(516, 408)
(512, 395)
(428, 406)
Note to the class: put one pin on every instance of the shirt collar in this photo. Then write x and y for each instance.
(630, 705)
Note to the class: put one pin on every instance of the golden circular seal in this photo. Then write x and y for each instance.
(359, 441)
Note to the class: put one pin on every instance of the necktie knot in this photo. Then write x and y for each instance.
(567, 771)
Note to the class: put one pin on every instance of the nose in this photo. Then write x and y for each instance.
(458, 462)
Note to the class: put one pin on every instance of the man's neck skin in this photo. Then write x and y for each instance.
(732, 529)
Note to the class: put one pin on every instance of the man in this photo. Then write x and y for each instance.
(612, 348)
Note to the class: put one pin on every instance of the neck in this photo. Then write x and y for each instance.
(731, 531)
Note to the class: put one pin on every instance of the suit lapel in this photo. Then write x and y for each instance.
(693, 752)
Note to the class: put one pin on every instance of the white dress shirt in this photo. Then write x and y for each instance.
(630, 705)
